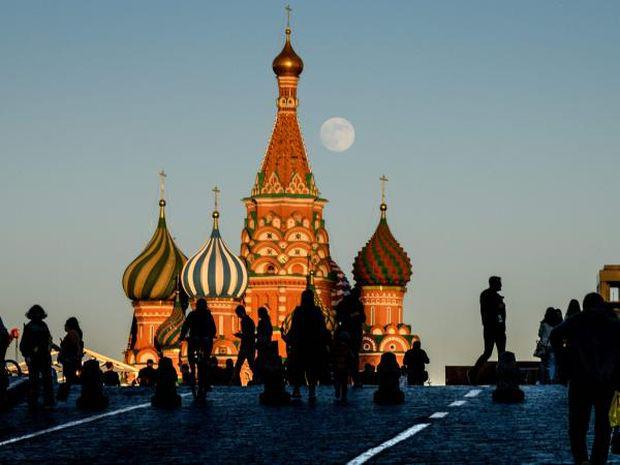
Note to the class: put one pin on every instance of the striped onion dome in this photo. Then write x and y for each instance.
(153, 274)
(382, 261)
(167, 335)
(341, 288)
(214, 271)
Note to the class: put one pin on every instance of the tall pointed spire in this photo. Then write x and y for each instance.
(285, 168)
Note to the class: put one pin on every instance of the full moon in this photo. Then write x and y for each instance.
(337, 134)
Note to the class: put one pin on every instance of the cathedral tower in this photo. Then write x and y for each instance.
(284, 235)
(151, 282)
(382, 269)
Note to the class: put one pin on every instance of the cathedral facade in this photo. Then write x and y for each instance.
(285, 247)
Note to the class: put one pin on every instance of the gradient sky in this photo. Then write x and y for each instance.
(498, 124)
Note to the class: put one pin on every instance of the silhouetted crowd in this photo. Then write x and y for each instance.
(581, 350)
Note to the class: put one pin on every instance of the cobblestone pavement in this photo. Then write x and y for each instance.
(234, 429)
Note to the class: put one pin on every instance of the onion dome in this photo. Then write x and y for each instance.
(341, 287)
(288, 63)
(382, 261)
(167, 335)
(153, 273)
(214, 271)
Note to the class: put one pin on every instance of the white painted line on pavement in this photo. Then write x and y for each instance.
(387, 444)
(439, 415)
(473, 393)
(77, 423)
(457, 403)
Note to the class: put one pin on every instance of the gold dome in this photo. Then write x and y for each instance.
(288, 63)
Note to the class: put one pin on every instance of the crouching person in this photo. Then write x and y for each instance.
(388, 377)
(508, 379)
(166, 386)
(273, 378)
(92, 396)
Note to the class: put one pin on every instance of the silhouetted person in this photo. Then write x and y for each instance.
(166, 386)
(264, 332)
(590, 346)
(508, 380)
(70, 355)
(247, 335)
(548, 366)
(493, 313)
(308, 340)
(35, 346)
(368, 374)
(274, 392)
(351, 318)
(110, 377)
(229, 373)
(92, 396)
(146, 376)
(342, 363)
(199, 330)
(186, 376)
(5, 341)
(573, 308)
(388, 378)
(415, 361)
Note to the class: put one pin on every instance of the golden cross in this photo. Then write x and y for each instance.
(162, 184)
(217, 191)
(383, 180)
(288, 16)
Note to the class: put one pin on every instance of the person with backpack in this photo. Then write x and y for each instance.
(35, 346)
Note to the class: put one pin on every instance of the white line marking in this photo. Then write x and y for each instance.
(457, 403)
(439, 415)
(360, 459)
(473, 393)
(77, 423)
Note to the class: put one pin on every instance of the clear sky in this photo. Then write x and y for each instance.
(498, 124)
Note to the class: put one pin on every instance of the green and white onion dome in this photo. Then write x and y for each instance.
(215, 271)
(153, 274)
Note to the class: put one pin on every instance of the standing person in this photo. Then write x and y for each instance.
(264, 332)
(388, 377)
(70, 355)
(147, 375)
(544, 349)
(342, 362)
(590, 344)
(5, 341)
(308, 340)
(199, 330)
(35, 346)
(573, 308)
(247, 335)
(351, 318)
(415, 361)
(493, 313)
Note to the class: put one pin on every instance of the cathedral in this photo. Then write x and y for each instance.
(285, 247)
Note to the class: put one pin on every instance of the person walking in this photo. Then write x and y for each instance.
(247, 335)
(308, 340)
(493, 313)
(264, 333)
(415, 361)
(342, 363)
(548, 366)
(70, 355)
(590, 346)
(351, 318)
(35, 347)
(199, 331)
